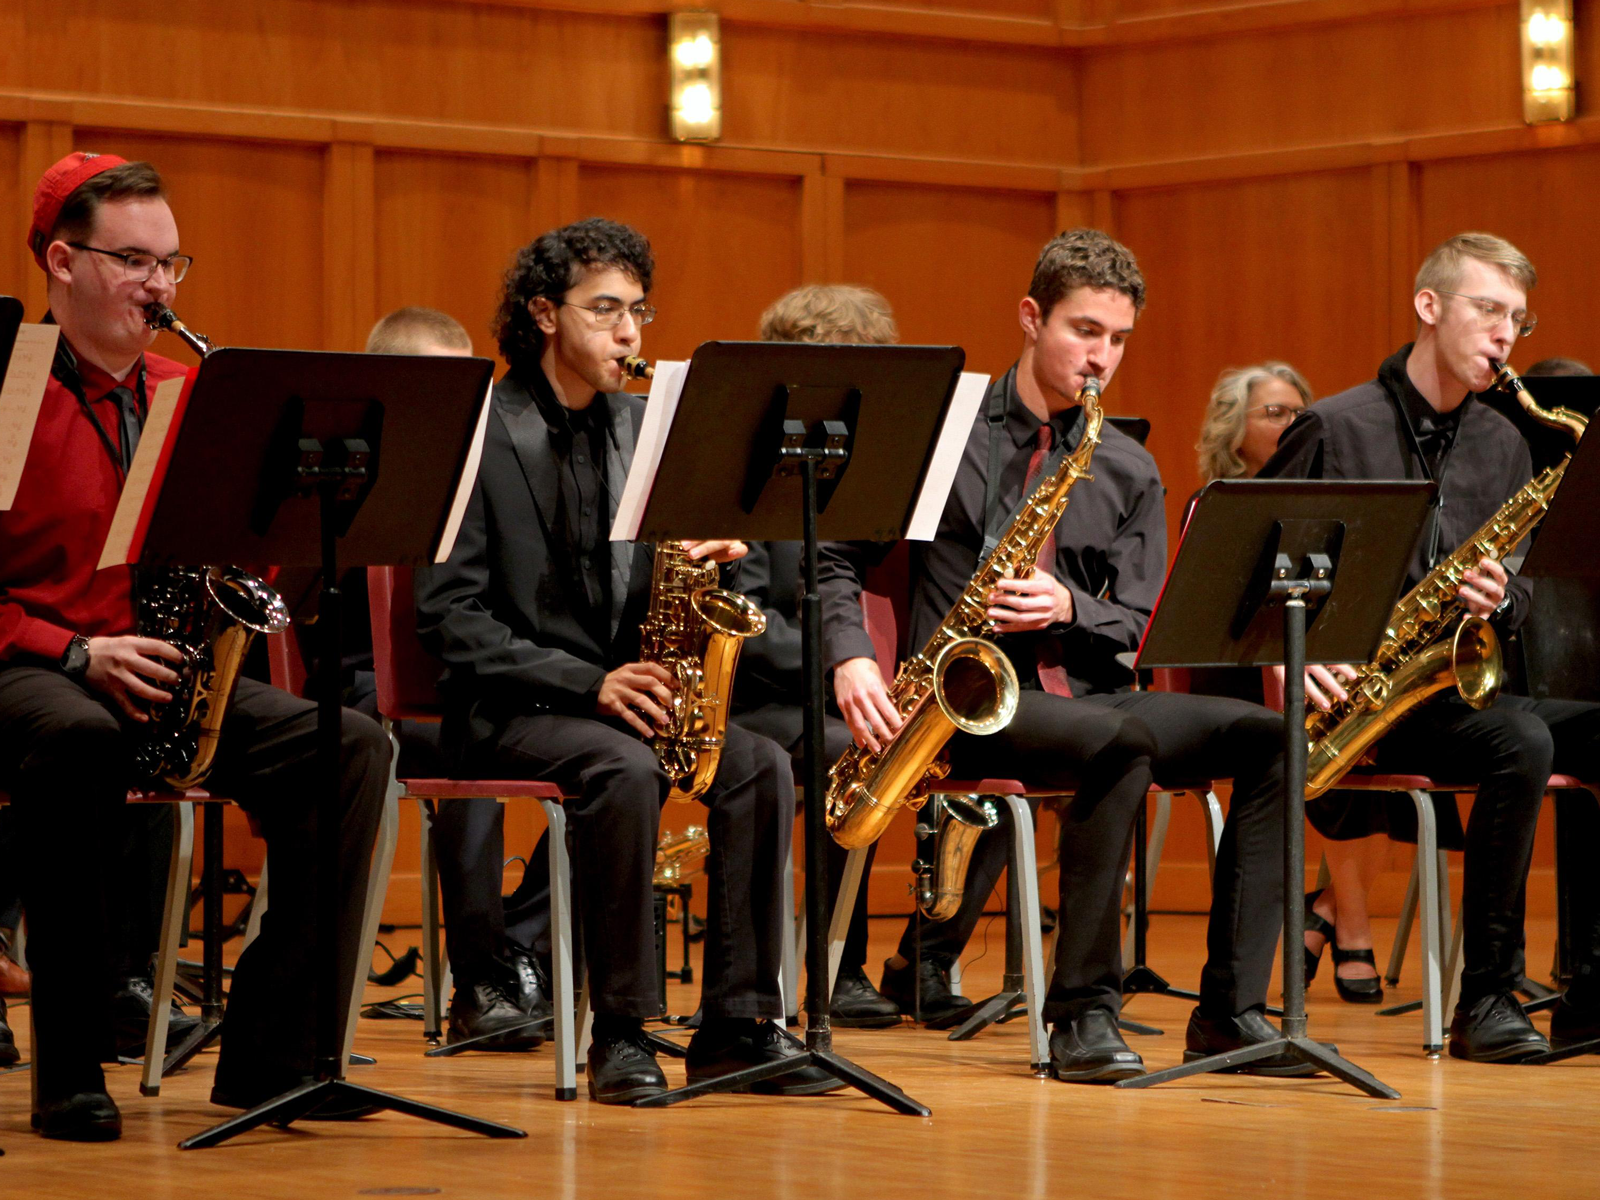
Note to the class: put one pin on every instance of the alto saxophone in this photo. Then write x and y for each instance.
(1431, 642)
(959, 680)
(695, 630)
(211, 615)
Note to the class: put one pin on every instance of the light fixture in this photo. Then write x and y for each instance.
(695, 55)
(1547, 82)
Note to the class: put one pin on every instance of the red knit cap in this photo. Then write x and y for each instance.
(58, 183)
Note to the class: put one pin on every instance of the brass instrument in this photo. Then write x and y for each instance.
(955, 823)
(211, 615)
(1425, 647)
(695, 629)
(678, 856)
(959, 680)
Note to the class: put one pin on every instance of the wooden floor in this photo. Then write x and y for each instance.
(1460, 1130)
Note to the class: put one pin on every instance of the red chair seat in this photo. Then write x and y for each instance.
(473, 789)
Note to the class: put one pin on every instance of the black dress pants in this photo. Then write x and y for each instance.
(1106, 748)
(66, 760)
(1508, 750)
(784, 724)
(615, 821)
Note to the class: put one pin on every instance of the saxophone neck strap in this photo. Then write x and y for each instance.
(995, 519)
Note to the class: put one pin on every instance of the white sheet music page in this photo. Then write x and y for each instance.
(970, 390)
(464, 485)
(131, 504)
(666, 386)
(20, 397)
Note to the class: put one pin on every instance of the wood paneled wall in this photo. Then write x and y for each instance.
(1279, 168)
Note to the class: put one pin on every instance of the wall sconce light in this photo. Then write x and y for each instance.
(695, 50)
(1547, 83)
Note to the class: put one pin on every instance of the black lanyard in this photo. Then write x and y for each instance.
(65, 369)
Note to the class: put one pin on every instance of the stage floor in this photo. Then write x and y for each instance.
(1459, 1130)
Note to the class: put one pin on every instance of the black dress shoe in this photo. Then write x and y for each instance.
(484, 1008)
(1573, 1023)
(341, 1108)
(1090, 1049)
(130, 1009)
(622, 1063)
(1217, 1035)
(858, 1005)
(1495, 1029)
(532, 985)
(938, 1000)
(8, 1043)
(85, 1117)
(721, 1047)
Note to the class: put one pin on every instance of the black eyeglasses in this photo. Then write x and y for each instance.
(139, 267)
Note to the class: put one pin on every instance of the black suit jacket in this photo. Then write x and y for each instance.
(504, 611)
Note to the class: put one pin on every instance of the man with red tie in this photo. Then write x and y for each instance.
(1078, 725)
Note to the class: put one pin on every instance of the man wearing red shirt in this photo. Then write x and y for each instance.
(76, 683)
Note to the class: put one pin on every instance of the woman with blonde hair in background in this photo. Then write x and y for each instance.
(1250, 408)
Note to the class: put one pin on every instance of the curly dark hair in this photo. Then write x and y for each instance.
(550, 266)
(1084, 258)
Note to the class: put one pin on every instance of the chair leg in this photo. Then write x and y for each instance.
(1454, 967)
(377, 889)
(433, 993)
(789, 979)
(258, 909)
(1212, 808)
(173, 920)
(844, 905)
(1027, 869)
(19, 943)
(561, 967)
(1432, 926)
(1402, 929)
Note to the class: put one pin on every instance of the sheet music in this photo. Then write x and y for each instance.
(666, 386)
(464, 485)
(20, 398)
(970, 390)
(152, 442)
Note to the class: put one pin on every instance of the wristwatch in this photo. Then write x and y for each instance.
(1502, 608)
(75, 659)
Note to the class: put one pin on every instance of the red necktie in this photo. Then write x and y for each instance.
(1052, 675)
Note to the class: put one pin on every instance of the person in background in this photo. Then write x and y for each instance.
(1249, 409)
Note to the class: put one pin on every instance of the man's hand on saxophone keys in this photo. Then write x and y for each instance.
(864, 702)
(723, 551)
(1324, 684)
(639, 693)
(1036, 602)
(127, 669)
(1483, 589)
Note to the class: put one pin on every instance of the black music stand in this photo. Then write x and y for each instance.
(1252, 548)
(294, 458)
(1564, 548)
(759, 449)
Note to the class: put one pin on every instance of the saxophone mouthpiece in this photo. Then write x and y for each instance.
(1091, 387)
(158, 315)
(635, 367)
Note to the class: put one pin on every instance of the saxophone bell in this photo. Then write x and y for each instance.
(955, 823)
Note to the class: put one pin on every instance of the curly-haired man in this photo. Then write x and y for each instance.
(537, 616)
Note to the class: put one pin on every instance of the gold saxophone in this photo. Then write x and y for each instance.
(210, 614)
(955, 823)
(1431, 643)
(680, 856)
(695, 630)
(959, 680)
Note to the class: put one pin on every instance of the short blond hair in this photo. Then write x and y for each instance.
(830, 313)
(1222, 430)
(1441, 271)
(416, 330)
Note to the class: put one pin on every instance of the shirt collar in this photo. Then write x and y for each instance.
(562, 419)
(1023, 426)
(1423, 416)
(94, 380)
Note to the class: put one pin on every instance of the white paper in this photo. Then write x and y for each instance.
(20, 398)
(666, 386)
(469, 476)
(125, 521)
(970, 390)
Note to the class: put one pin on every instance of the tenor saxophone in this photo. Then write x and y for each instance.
(1431, 643)
(695, 630)
(211, 615)
(959, 680)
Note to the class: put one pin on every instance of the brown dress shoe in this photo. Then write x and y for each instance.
(14, 981)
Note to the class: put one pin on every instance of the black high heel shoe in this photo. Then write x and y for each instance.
(1356, 991)
(1316, 923)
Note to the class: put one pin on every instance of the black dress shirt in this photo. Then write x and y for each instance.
(578, 444)
(1384, 429)
(1110, 551)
